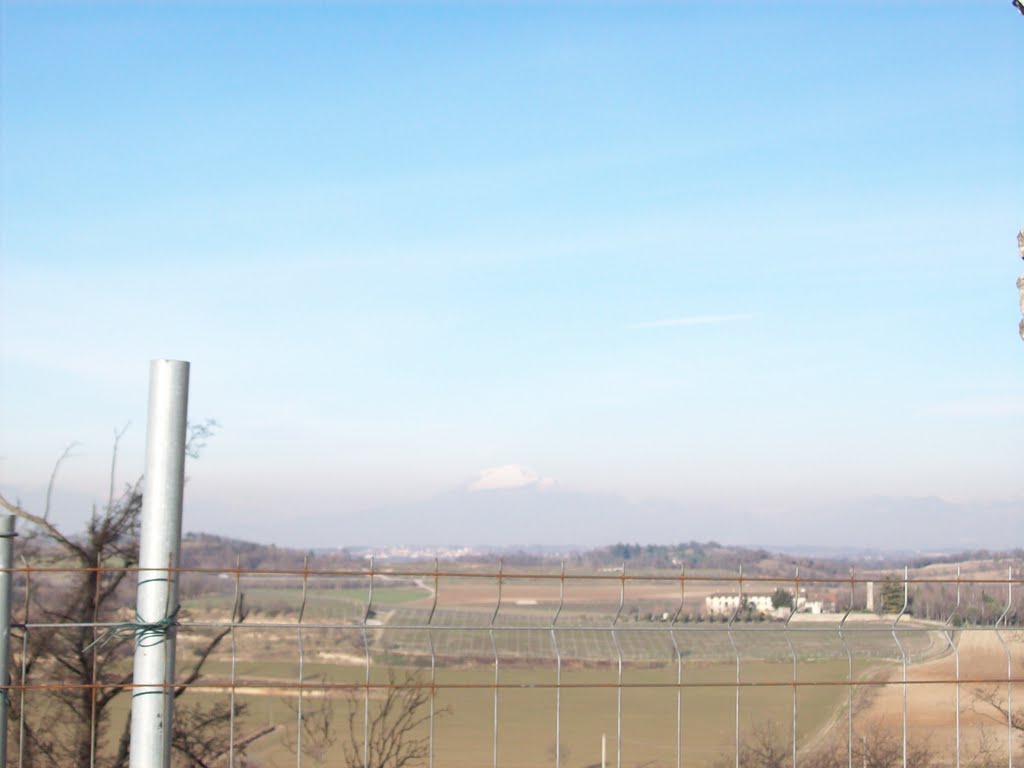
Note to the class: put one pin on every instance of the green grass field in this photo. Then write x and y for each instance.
(526, 716)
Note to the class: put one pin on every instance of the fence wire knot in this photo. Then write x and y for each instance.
(146, 633)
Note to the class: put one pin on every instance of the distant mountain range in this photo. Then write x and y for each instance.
(511, 507)
(534, 511)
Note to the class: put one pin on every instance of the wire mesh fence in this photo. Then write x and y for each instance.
(461, 665)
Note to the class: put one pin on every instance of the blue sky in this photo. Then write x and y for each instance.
(751, 256)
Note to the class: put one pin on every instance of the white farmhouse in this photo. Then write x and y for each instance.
(725, 604)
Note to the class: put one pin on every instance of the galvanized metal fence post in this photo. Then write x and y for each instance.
(157, 599)
(6, 562)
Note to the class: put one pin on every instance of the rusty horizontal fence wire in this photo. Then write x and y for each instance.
(543, 666)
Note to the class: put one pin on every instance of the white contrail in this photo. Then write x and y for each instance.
(670, 322)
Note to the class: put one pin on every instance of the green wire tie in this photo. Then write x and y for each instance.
(146, 633)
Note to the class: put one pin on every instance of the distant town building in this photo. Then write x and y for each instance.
(719, 604)
(724, 604)
(810, 606)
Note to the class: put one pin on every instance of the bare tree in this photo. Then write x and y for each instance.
(992, 702)
(88, 668)
(764, 748)
(396, 725)
(316, 727)
(880, 749)
(200, 735)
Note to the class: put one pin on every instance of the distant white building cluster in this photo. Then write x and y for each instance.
(728, 603)
(421, 553)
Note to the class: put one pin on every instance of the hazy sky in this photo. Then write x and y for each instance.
(749, 255)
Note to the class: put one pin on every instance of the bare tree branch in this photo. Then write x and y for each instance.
(49, 529)
(396, 736)
(118, 434)
(198, 434)
(992, 704)
(53, 477)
